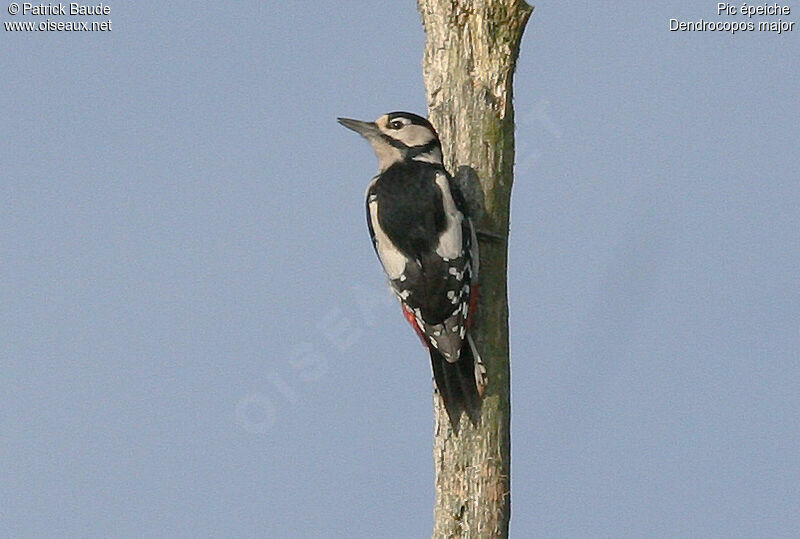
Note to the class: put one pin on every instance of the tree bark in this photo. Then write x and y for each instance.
(470, 53)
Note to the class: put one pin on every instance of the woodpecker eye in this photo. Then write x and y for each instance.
(396, 124)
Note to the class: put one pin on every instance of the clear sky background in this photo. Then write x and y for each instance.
(195, 335)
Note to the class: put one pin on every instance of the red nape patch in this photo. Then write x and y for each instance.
(413, 321)
(473, 304)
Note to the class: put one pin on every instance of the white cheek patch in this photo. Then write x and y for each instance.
(415, 135)
(449, 245)
(393, 261)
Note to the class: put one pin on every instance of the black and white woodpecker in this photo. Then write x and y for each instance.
(426, 242)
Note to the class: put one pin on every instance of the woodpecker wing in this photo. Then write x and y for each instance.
(422, 234)
(433, 276)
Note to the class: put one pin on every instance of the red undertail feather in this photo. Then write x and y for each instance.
(473, 304)
(413, 321)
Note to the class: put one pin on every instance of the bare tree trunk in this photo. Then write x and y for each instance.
(470, 53)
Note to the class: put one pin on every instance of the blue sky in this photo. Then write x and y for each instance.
(196, 338)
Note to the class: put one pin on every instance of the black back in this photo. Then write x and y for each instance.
(411, 211)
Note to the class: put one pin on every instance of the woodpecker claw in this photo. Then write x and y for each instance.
(490, 237)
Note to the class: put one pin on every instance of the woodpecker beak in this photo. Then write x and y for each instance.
(365, 129)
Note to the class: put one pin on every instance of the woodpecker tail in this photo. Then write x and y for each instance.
(461, 384)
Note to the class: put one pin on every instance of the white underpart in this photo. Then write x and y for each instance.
(450, 245)
(393, 261)
(386, 153)
(480, 369)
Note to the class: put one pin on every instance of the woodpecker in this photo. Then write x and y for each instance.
(426, 243)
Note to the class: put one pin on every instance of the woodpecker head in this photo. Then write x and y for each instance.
(399, 136)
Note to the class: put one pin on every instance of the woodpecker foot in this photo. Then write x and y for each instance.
(490, 237)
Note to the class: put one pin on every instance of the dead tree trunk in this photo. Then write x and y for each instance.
(470, 53)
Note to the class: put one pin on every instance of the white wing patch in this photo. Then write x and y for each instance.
(450, 244)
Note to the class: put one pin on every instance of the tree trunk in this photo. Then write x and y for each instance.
(470, 52)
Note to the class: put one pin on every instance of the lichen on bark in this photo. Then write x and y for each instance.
(470, 54)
